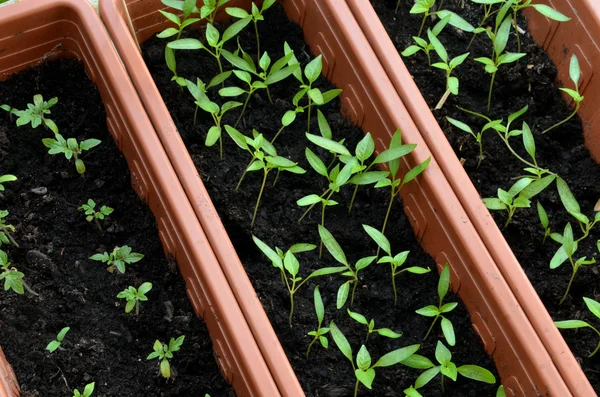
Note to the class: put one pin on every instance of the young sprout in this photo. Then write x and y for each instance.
(34, 114)
(255, 15)
(6, 178)
(87, 391)
(364, 369)
(320, 332)
(188, 7)
(210, 8)
(217, 112)
(544, 220)
(395, 261)
(487, 12)
(289, 263)
(464, 127)
(163, 353)
(118, 258)
(338, 254)
(543, 9)
(135, 296)
(575, 75)
(447, 368)
(55, 344)
(93, 215)
(439, 310)
(422, 44)
(6, 230)
(13, 279)
(199, 89)
(594, 307)
(70, 148)
(359, 318)
(448, 65)
(421, 7)
(265, 158)
(425, 6)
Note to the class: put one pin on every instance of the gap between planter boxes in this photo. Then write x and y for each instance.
(435, 213)
(581, 40)
(34, 32)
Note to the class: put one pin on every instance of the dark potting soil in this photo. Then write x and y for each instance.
(531, 81)
(105, 344)
(326, 372)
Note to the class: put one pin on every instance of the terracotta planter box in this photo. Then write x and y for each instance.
(33, 31)
(437, 216)
(580, 36)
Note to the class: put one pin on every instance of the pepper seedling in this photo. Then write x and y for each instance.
(265, 158)
(188, 7)
(594, 307)
(215, 132)
(425, 7)
(359, 318)
(442, 308)
(320, 332)
(164, 353)
(543, 9)
(290, 264)
(338, 254)
(199, 89)
(34, 114)
(87, 391)
(55, 344)
(364, 370)
(487, 12)
(575, 75)
(446, 367)
(544, 220)
(70, 148)
(255, 15)
(13, 279)
(134, 296)
(92, 215)
(396, 261)
(210, 8)
(422, 44)
(6, 178)
(6, 230)
(118, 258)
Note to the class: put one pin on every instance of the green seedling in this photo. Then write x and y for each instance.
(575, 75)
(500, 392)
(210, 8)
(364, 369)
(13, 279)
(359, 318)
(447, 65)
(478, 136)
(422, 44)
(425, 7)
(213, 39)
(55, 344)
(164, 353)
(396, 261)
(442, 308)
(6, 178)
(487, 12)
(118, 258)
(544, 220)
(265, 159)
(92, 215)
(446, 367)
(352, 273)
(6, 230)
(255, 15)
(135, 296)
(268, 74)
(289, 266)
(543, 9)
(320, 332)
(594, 307)
(188, 7)
(87, 391)
(35, 113)
(199, 89)
(499, 40)
(70, 148)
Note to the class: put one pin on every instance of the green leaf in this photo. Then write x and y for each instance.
(418, 362)
(324, 127)
(52, 346)
(416, 171)
(328, 144)
(363, 358)
(444, 282)
(365, 148)
(449, 370)
(509, 57)
(342, 294)
(231, 92)
(171, 17)
(214, 133)
(272, 255)
(315, 162)
(89, 144)
(559, 257)
(448, 307)
(458, 60)
(395, 142)
(442, 354)
(379, 238)
(167, 33)
(330, 95)
(368, 178)
(456, 20)
(80, 166)
(234, 29)
(543, 216)
(63, 332)
(291, 264)
(437, 46)
(340, 341)
(288, 118)
(427, 376)
(566, 197)
(418, 270)
(574, 70)
(388, 333)
(428, 311)
(528, 141)
(550, 12)
(186, 44)
(394, 153)
(460, 125)
(494, 204)
(312, 71)
(397, 356)
(366, 376)
(308, 200)
(516, 188)
(411, 50)
(500, 392)
(448, 331)
(537, 186)
(593, 306)
(237, 12)
(358, 317)
(412, 392)
(571, 324)
(477, 373)
(326, 271)
(502, 36)
(512, 117)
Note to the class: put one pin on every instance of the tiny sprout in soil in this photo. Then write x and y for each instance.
(439, 310)
(594, 307)
(93, 215)
(87, 391)
(364, 370)
(255, 15)
(165, 352)
(422, 44)
(395, 261)
(13, 279)
(359, 318)
(6, 178)
(70, 148)
(6, 230)
(118, 258)
(198, 91)
(55, 344)
(34, 114)
(135, 296)
(320, 332)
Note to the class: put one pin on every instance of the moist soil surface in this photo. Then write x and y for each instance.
(326, 372)
(104, 345)
(530, 81)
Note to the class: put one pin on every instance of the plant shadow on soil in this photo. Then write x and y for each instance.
(105, 344)
(327, 372)
(530, 81)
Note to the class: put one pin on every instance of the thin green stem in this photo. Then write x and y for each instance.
(440, 5)
(565, 120)
(276, 177)
(597, 347)
(443, 388)
(490, 92)
(195, 114)
(423, 24)
(353, 197)
(312, 206)
(324, 204)
(243, 108)
(257, 41)
(10, 238)
(137, 308)
(387, 214)
(394, 284)
(98, 224)
(354, 289)
(276, 135)
(397, 6)
(244, 173)
(575, 268)
(309, 105)
(480, 152)
(356, 388)
(291, 308)
(431, 326)
(311, 343)
(269, 94)
(221, 147)
(218, 58)
(262, 188)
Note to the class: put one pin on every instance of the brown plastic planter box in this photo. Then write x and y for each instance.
(580, 36)
(33, 31)
(438, 219)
